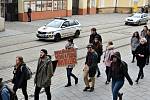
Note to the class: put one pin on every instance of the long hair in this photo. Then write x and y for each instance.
(20, 59)
(138, 36)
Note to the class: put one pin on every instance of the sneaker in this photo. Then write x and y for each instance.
(120, 96)
(132, 61)
(76, 81)
(91, 89)
(142, 76)
(86, 88)
(106, 82)
(67, 85)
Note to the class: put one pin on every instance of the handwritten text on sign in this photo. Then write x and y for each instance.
(66, 56)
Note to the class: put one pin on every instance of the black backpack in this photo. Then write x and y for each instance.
(28, 72)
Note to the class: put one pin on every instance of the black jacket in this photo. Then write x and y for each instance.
(119, 69)
(99, 50)
(92, 37)
(19, 77)
(143, 50)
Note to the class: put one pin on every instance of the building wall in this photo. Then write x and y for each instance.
(2, 24)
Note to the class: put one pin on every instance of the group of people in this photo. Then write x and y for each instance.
(116, 68)
(140, 46)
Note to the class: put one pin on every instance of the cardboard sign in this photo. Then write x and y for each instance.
(66, 57)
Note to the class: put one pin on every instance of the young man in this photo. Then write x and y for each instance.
(90, 68)
(29, 14)
(43, 75)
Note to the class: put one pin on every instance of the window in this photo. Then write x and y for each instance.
(49, 5)
(44, 5)
(66, 24)
(38, 5)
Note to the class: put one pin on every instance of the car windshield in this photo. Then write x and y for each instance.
(54, 23)
(136, 16)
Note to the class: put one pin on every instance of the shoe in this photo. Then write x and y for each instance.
(147, 63)
(67, 85)
(76, 81)
(98, 75)
(136, 81)
(106, 82)
(142, 76)
(120, 96)
(86, 88)
(91, 89)
(132, 62)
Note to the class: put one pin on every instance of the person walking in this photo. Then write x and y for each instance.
(135, 41)
(118, 73)
(43, 75)
(99, 50)
(148, 46)
(93, 35)
(70, 67)
(141, 55)
(29, 14)
(144, 32)
(19, 79)
(107, 58)
(90, 68)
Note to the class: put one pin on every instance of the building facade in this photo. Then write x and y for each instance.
(2, 15)
(45, 9)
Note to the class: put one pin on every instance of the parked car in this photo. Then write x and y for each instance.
(59, 28)
(137, 18)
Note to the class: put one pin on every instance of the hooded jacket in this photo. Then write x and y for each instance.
(119, 69)
(44, 73)
(108, 53)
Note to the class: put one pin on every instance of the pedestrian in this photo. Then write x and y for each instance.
(70, 67)
(135, 41)
(29, 14)
(4, 92)
(90, 68)
(19, 78)
(144, 32)
(43, 75)
(141, 54)
(93, 35)
(118, 73)
(148, 46)
(107, 58)
(99, 50)
(142, 10)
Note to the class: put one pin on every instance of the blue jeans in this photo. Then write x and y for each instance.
(69, 74)
(116, 86)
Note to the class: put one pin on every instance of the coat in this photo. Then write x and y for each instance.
(92, 37)
(119, 69)
(19, 77)
(44, 72)
(99, 50)
(134, 43)
(141, 49)
(107, 56)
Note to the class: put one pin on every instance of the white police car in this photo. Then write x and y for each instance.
(137, 18)
(59, 28)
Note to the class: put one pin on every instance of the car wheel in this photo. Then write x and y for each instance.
(77, 33)
(57, 37)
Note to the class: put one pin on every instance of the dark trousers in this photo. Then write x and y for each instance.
(37, 92)
(134, 55)
(69, 74)
(116, 86)
(29, 17)
(24, 90)
(98, 71)
(107, 71)
(141, 73)
(147, 59)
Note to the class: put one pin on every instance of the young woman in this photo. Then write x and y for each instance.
(141, 55)
(70, 67)
(144, 32)
(99, 50)
(19, 79)
(118, 73)
(107, 58)
(135, 41)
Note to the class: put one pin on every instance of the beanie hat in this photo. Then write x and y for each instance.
(44, 50)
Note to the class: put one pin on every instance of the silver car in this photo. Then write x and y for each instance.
(137, 18)
(59, 28)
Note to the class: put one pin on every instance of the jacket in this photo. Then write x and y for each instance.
(19, 77)
(4, 93)
(143, 50)
(99, 50)
(44, 72)
(134, 43)
(119, 69)
(108, 53)
(92, 37)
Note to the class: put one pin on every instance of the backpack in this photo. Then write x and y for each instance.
(28, 72)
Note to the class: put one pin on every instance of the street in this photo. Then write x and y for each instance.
(20, 39)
